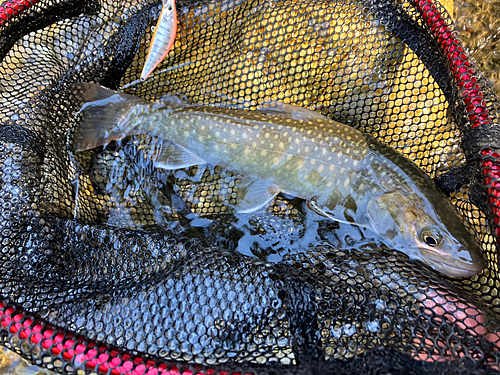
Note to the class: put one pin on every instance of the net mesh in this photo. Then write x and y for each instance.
(99, 271)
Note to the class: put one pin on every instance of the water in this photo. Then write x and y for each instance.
(198, 202)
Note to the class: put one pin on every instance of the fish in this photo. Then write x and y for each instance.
(163, 38)
(281, 148)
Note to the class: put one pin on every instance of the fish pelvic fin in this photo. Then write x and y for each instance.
(174, 156)
(253, 194)
(101, 115)
(276, 108)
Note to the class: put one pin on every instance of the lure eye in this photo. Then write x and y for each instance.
(431, 235)
(169, 7)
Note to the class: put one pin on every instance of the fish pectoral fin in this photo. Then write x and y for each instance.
(313, 206)
(275, 108)
(254, 194)
(174, 156)
(100, 114)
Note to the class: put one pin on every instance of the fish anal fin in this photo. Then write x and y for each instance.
(276, 108)
(254, 194)
(174, 156)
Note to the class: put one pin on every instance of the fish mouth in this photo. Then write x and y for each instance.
(453, 266)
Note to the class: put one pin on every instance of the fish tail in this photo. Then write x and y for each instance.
(103, 116)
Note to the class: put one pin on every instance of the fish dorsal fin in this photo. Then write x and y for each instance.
(101, 114)
(172, 100)
(311, 203)
(253, 194)
(174, 156)
(275, 108)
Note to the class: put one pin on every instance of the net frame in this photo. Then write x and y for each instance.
(77, 352)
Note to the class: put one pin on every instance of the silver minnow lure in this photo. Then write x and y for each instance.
(284, 148)
(163, 38)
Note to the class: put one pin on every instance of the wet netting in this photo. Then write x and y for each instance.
(100, 270)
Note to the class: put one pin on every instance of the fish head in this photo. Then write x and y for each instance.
(437, 238)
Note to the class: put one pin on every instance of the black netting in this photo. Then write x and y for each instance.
(104, 269)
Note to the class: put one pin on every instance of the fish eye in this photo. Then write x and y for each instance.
(431, 235)
(169, 7)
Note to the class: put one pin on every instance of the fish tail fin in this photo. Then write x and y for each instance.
(102, 116)
(254, 194)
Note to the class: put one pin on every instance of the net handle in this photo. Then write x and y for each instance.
(12, 8)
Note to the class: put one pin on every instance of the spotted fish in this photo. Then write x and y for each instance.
(163, 38)
(292, 150)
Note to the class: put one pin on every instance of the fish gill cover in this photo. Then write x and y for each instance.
(100, 272)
